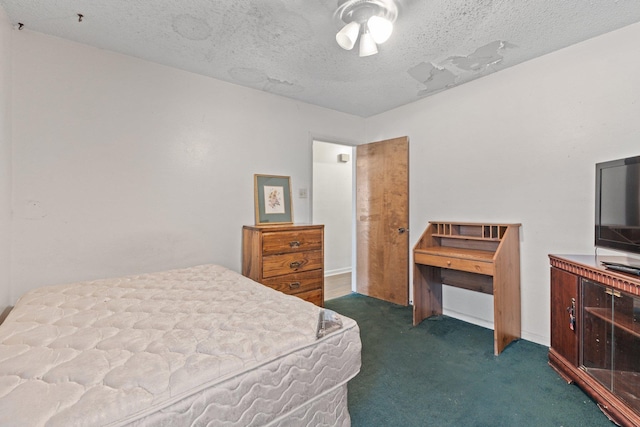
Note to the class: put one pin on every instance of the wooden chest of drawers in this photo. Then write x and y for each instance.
(288, 258)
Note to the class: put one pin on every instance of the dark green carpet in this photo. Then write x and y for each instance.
(443, 373)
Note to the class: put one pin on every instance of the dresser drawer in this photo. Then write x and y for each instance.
(470, 265)
(278, 265)
(297, 282)
(291, 241)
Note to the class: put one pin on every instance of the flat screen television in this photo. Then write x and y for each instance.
(618, 205)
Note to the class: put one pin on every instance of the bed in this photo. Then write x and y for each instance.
(195, 346)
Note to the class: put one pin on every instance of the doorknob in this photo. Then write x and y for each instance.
(402, 230)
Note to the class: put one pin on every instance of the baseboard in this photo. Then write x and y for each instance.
(536, 338)
(469, 319)
(337, 271)
(528, 336)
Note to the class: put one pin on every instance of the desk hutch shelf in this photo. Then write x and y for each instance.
(479, 257)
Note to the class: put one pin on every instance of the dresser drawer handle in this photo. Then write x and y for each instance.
(294, 244)
(295, 264)
(294, 285)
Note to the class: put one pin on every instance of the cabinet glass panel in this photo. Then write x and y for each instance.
(611, 339)
(626, 339)
(597, 329)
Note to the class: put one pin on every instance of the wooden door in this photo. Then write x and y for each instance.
(564, 297)
(382, 220)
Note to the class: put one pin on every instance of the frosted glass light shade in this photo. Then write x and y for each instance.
(348, 35)
(380, 28)
(367, 45)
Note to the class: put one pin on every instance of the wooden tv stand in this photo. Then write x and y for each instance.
(475, 256)
(595, 332)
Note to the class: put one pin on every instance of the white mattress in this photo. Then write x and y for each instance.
(196, 346)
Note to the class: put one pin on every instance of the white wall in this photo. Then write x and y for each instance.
(124, 166)
(521, 146)
(5, 159)
(333, 203)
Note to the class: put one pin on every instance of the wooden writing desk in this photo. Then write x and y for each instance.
(478, 257)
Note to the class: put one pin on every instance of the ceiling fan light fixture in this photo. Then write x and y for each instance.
(348, 35)
(372, 20)
(368, 46)
(380, 28)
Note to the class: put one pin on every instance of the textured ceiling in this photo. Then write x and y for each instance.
(288, 47)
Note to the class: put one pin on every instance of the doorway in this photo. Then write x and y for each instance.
(332, 205)
(364, 205)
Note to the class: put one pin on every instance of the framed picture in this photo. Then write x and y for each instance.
(273, 199)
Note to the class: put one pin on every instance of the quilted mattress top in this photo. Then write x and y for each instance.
(132, 344)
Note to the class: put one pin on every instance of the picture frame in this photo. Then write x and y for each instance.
(272, 195)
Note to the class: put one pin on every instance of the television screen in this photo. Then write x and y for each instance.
(618, 204)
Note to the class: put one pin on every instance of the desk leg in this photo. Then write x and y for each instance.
(506, 311)
(427, 292)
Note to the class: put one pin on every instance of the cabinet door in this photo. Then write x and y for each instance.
(564, 299)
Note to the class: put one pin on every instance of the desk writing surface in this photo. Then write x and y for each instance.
(462, 253)
(471, 260)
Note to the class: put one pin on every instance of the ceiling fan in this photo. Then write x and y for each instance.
(371, 20)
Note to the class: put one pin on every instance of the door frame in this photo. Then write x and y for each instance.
(354, 249)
